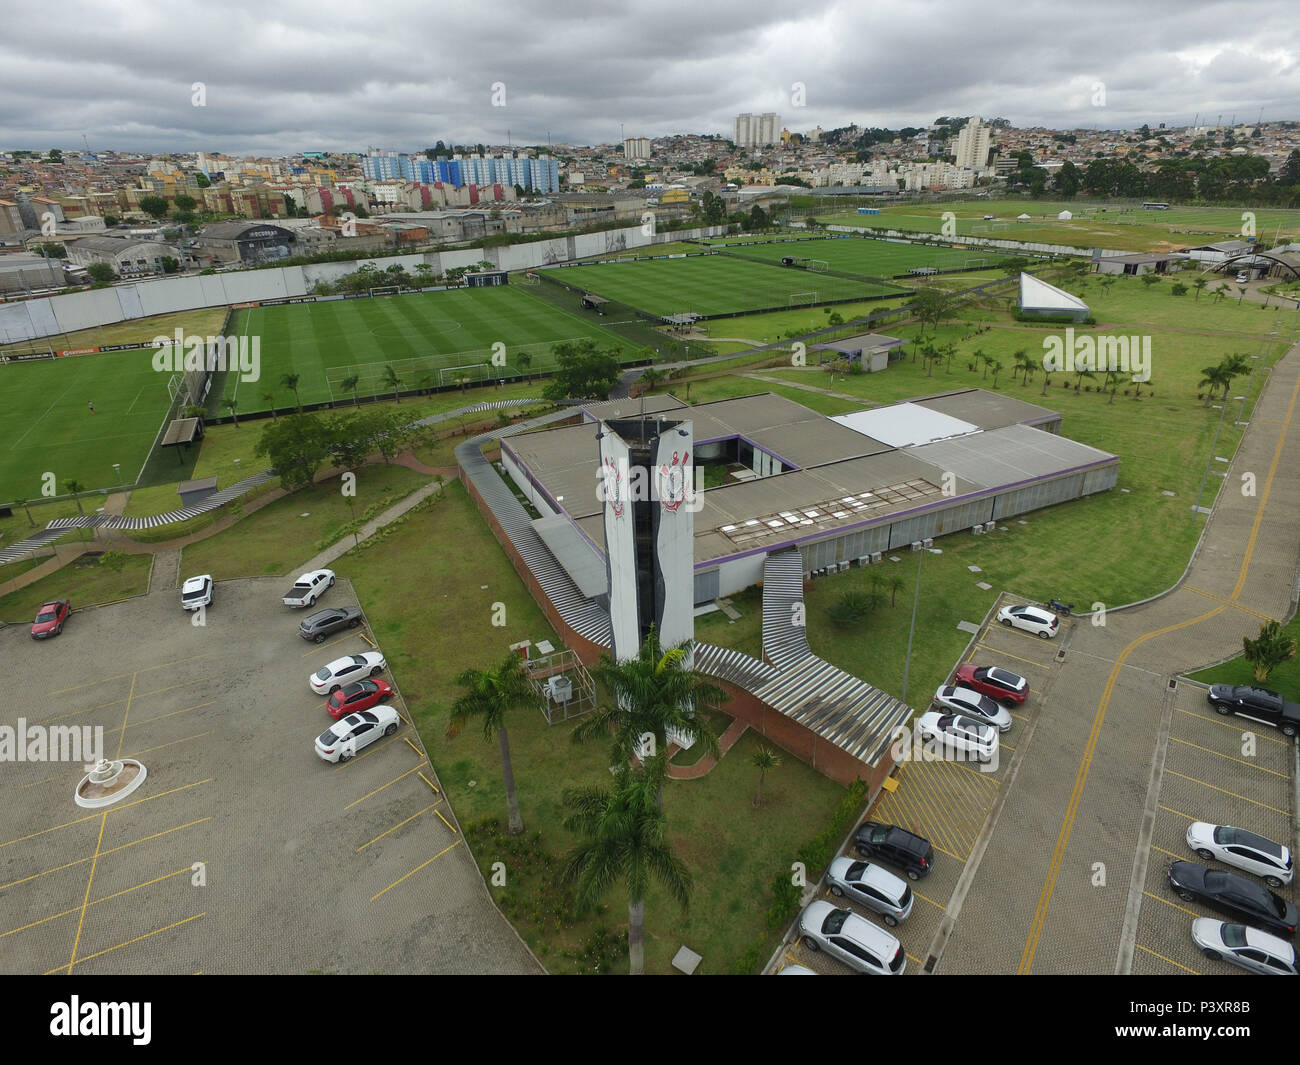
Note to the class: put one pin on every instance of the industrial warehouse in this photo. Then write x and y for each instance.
(841, 490)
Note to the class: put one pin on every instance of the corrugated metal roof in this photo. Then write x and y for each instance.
(1007, 456)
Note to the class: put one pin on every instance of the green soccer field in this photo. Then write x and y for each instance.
(429, 340)
(46, 425)
(712, 284)
(869, 258)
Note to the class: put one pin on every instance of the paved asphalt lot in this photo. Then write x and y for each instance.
(356, 868)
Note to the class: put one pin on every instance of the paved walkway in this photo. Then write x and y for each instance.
(371, 527)
(705, 765)
(1081, 796)
(807, 388)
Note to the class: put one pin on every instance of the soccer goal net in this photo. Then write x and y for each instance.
(804, 299)
(385, 290)
(819, 265)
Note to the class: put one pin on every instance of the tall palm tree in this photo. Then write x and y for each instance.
(1079, 375)
(392, 381)
(1047, 380)
(1199, 284)
(1111, 383)
(652, 693)
(232, 405)
(349, 384)
(290, 381)
(75, 488)
(997, 369)
(490, 694)
(1234, 365)
(651, 377)
(525, 362)
(1211, 378)
(269, 399)
(764, 759)
(624, 842)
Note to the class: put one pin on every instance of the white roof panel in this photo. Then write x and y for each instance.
(905, 424)
(1042, 296)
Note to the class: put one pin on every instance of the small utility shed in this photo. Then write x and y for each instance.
(871, 349)
(196, 491)
(182, 433)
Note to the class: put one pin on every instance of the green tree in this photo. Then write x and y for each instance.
(296, 448)
(170, 264)
(1268, 650)
(489, 696)
(101, 274)
(290, 381)
(54, 155)
(153, 206)
(997, 369)
(349, 384)
(525, 362)
(348, 438)
(1211, 378)
(268, 398)
(393, 381)
(624, 842)
(184, 202)
(75, 488)
(583, 371)
(114, 562)
(932, 307)
(763, 759)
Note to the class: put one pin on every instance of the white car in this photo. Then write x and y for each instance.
(343, 671)
(197, 592)
(1041, 623)
(959, 734)
(970, 703)
(852, 939)
(348, 735)
(1243, 278)
(871, 886)
(1245, 850)
(1241, 945)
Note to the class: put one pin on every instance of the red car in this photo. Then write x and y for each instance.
(1010, 689)
(361, 695)
(50, 618)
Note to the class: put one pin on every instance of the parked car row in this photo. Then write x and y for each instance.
(357, 701)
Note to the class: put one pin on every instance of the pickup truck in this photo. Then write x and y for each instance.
(309, 587)
(1258, 704)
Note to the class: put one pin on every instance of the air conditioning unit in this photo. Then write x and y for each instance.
(864, 560)
(916, 545)
(844, 565)
(989, 526)
(928, 542)
(977, 530)
(877, 556)
(559, 689)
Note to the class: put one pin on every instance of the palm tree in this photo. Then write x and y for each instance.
(392, 381)
(948, 350)
(655, 692)
(525, 362)
(75, 488)
(651, 377)
(896, 585)
(997, 369)
(489, 695)
(1047, 380)
(1079, 375)
(290, 381)
(764, 759)
(349, 384)
(981, 360)
(1213, 377)
(1269, 650)
(1111, 382)
(1022, 362)
(269, 399)
(1199, 284)
(1220, 291)
(1234, 365)
(625, 842)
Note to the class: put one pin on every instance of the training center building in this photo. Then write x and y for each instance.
(841, 490)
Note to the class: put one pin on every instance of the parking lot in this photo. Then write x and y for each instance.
(948, 802)
(242, 851)
(1224, 770)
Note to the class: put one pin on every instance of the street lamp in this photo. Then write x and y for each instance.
(916, 598)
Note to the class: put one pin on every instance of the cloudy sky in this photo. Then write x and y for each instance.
(327, 75)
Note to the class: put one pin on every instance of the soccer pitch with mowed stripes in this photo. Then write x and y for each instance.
(46, 425)
(712, 284)
(429, 339)
(869, 258)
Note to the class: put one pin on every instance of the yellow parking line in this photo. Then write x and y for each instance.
(1225, 791)
(119, 676)
(444, 820)
(1170, 809)
(34, 783)
(173, 687)
(1190, 913)
(106, 898)
(382, 787)
(359, 757)
(916, 961)
(1027, 661)
(170, 743)
(413, 746)
(81, 713)
(329, 643)
(89, 884)
(398, 825)
(1239, 761)
(82, 861)
(368, 640)
(430, 783)
(924, 899)
(1227, 602)
(1163, 851)
(137, 939)
(1233, 723)
(1171, 961)
(414, 871)
(170, 713)
(91, 817)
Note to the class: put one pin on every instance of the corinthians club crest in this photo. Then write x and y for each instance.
(672, 482)
(613, 487)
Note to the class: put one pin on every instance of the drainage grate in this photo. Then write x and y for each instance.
(1173, 684)
(930, 963)
(1060, 655)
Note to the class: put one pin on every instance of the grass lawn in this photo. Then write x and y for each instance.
(434, 628)
(1124, 227)
(771, 327)
(1284, 678)
(710, 285)
(48, 434)
(205, 321)
(85, 582)
(870, 258)
(278, 539)
(421, 336)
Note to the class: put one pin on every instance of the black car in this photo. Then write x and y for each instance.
(896, 846)
(324, 622)
(1258, 704)
(1235, 896)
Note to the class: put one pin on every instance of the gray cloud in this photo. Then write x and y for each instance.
(299, 76)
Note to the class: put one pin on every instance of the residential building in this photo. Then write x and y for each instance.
(757, 131)
(636, 148)
(973, 145)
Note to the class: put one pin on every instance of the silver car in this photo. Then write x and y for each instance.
(851, 939)
(970, 703)
(1245, 946)
(872, 886)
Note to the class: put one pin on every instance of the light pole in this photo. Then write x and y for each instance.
(117, 474)
(916, 598)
